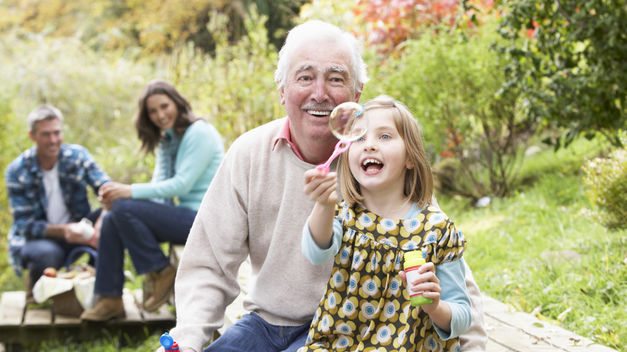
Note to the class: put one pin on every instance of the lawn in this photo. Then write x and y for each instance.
(542, 251)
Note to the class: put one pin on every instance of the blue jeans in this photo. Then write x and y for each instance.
(138, 226)
(46, 252)
(252, 333)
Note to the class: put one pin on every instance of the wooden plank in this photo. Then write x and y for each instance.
(163, 313)
(38, 317)
(64, 320)
(512, 338)
(560, 339)
(133, 314)
(176, 252)
(12, 308)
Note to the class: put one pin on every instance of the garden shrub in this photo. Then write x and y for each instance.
(452, 85)
(606, 179)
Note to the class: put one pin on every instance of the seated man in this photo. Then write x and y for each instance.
(47, 191)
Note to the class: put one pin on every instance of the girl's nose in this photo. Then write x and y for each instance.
(370, 145)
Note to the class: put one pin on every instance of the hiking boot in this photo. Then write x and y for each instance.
(106, 308)
(162, 285)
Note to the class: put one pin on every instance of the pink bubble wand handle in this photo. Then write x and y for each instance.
(340, 147)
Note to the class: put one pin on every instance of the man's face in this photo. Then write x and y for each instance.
(48, 136)
(318, 79)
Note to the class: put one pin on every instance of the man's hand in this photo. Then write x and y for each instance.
(111, 191)
(72, 234)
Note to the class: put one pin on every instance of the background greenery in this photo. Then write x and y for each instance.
(450, 64)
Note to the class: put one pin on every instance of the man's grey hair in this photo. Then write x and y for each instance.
(320, 30)
(41, 113)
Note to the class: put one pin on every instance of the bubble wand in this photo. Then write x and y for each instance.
(341, 123)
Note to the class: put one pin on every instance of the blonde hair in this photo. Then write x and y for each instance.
(418, 179)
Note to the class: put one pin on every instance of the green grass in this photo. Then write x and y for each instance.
(507, 239)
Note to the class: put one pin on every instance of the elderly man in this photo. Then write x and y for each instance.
(47, 188)
(256, 208)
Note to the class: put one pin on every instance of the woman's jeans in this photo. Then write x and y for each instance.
(252, 333)
(138, 226)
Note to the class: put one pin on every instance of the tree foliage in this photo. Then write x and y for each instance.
(388, 23)
(571, 65)
(152, 26)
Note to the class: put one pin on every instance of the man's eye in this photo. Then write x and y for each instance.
(304, 78)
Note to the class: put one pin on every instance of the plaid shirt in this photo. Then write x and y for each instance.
(27, 197)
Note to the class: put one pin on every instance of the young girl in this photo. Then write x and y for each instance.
(387, 188)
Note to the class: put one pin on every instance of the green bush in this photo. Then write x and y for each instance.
(606, 179)
(233, 88)
(452, 85)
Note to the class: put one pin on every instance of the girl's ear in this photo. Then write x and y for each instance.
(409, 165)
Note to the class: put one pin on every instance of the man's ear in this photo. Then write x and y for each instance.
(31, 135)
(358, 93)
(282, 93)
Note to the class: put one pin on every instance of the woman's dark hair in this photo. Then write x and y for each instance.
(147, 132)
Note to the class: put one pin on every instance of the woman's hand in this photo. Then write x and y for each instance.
(111, 191)
(321, 187)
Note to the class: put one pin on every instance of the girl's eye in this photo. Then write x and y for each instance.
(385, 136)
(360, 139)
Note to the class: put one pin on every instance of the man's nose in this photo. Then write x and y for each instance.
(320, 92)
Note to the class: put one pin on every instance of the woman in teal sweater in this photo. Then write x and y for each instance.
(142, 215)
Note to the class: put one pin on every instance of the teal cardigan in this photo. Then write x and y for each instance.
(198, 157)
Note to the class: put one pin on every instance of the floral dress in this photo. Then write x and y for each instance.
(366, 306)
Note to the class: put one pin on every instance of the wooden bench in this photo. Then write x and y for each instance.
(20, 324)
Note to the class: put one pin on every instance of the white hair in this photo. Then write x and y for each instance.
(43, 112)
(320, 30)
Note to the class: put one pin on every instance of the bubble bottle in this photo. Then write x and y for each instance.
(412, 261)
(168, 342)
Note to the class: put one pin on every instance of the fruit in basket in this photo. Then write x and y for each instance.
(50, 272)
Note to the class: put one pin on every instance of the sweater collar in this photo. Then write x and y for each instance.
(284, 135)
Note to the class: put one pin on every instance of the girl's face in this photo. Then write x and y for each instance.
(162, 111)
(378, 160)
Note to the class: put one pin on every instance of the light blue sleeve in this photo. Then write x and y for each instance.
(315, 254)
(193, 157)
(452, 276)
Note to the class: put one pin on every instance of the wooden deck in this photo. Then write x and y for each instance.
(512, 331)
(508, 330)
(21, 325)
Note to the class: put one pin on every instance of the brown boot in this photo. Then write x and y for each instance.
(106, 308)
(162, 285)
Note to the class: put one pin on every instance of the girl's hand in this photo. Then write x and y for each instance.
(428, 284)
(321, 187)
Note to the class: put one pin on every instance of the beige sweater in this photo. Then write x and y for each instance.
(254, 207)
